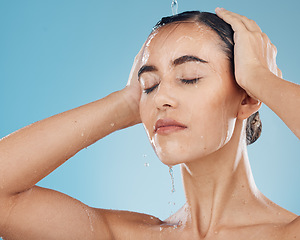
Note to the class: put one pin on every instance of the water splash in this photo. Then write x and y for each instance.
(146, 164)
(174, 6)
(172, 179)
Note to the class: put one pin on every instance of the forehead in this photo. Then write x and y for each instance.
(194, 29)
(183, 38)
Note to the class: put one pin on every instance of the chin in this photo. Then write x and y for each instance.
(170, 152)
(173, 150)
(188, 153)
(170, 161)
(174, 157)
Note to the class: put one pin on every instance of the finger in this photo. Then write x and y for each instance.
(274, 49)
(237, 21)
(266, 38)
(140, 53)
(279, 73)
(135, 66)
(251, 25)
(237, 25)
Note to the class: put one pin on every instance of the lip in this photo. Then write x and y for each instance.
(168, 125)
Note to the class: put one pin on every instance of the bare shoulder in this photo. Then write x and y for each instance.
(292, 230)
(129, 225)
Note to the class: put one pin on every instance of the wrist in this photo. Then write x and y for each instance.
(130, 105)
(255, 82)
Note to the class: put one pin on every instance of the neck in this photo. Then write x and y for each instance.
(217, 186)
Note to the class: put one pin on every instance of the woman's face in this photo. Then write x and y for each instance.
(190, 100)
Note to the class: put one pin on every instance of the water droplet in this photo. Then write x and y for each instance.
(151, 217)
(216, 232)
(90, 219)
(82, 134)
(146, 164)
(112, 124)
(174, 6)
(160, 229)
(172, 179)
(175, 226)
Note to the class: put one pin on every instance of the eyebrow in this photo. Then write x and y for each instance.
(176, 62)
(187, 58)
(146, 68)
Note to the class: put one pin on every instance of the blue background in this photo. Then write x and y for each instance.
(57, 55)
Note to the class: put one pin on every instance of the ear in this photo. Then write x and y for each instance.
(248, 106)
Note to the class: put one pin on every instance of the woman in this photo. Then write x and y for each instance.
(194, 109)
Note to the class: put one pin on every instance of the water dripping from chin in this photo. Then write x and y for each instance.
(171, 172)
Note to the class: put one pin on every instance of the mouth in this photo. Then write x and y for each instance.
(167, 125)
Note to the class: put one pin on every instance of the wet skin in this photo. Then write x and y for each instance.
(201, 95)
(194, 114)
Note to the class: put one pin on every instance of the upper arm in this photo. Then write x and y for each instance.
(41, 213)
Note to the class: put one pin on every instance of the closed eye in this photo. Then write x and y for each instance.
(190, 81)
(185, 81)
(149, 90)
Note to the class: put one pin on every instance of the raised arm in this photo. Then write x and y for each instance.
(256, 70)
(28, 155)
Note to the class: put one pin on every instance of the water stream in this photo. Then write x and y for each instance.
(174, 6)
(172, 179)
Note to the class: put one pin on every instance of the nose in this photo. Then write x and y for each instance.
(165, 97)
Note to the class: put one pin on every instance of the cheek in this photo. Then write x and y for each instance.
(222, 115)
(214, 125)
(208, 112)
(208, 121)
(212, 119)
(147, 116)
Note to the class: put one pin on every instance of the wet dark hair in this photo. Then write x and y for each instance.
(225, 32)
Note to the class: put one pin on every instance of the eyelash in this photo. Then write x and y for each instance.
(149, 90)
(190, 81)
(185, 81)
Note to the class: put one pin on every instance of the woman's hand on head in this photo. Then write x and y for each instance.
(254, 54)
(132, 91)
